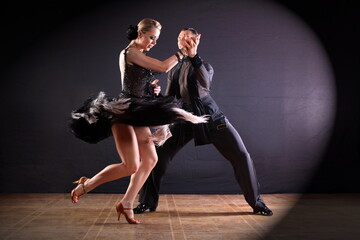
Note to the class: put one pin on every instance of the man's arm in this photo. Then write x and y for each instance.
(204, 71)
(168, 86)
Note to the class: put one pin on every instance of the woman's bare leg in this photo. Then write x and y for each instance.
(128, 149)
(148, 158)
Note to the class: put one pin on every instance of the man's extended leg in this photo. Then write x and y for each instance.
(229, 143)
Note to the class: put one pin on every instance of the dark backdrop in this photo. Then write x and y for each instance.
(285, 75)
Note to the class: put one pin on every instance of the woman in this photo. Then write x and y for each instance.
(128, 118)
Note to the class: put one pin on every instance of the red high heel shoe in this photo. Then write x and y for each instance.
(120, 210)
(81, 181)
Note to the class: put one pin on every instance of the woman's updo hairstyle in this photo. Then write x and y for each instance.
(131, 32)
(144, 25)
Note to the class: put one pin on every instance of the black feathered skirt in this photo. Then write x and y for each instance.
(92, 121)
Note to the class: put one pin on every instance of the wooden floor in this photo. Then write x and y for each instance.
(180, 217)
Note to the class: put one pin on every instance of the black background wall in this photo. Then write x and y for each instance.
(286, 76)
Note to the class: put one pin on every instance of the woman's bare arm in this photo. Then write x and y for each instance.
(134, 56)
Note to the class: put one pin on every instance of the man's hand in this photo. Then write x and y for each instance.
(191, 45)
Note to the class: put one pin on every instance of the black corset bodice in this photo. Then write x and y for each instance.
(137, 81)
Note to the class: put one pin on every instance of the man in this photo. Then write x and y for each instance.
(190, 80)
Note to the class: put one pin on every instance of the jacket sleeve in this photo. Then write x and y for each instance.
(168, 86)
(203, 70)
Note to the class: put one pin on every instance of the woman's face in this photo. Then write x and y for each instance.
(184, 35)
(148, 39)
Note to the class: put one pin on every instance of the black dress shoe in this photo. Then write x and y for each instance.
(142, 207)
(265, 211)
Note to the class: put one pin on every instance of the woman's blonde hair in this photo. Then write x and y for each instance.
(146, 24)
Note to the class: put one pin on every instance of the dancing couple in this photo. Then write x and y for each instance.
(186, 111)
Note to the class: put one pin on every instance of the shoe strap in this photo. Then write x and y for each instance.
(82, 182)
(83, 187)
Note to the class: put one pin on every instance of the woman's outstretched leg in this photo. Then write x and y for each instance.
(128, 150)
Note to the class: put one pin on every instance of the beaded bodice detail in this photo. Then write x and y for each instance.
(136, 81)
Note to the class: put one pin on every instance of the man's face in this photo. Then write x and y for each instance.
(183, 36)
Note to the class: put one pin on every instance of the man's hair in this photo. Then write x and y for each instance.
(193, 30)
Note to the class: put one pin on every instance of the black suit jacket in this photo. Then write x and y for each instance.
(202, 74)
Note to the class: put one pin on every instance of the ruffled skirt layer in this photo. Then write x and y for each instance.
(92, 121)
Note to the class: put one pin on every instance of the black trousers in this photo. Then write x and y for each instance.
(226, 140)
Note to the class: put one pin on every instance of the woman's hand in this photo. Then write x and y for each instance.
(157, 88)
